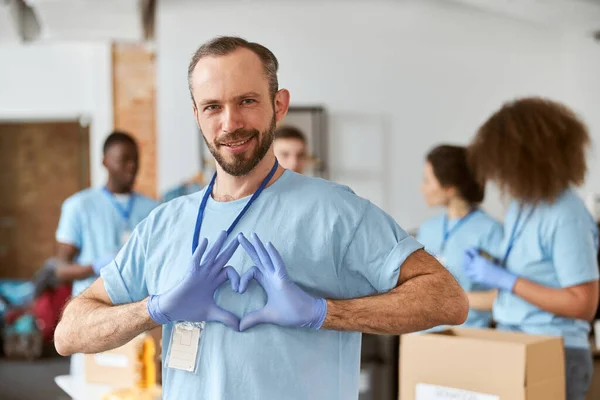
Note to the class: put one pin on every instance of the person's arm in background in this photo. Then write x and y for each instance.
(574, 255)
(574, 247)
(66, 269)
(578, 301)
(427, 295)
(69, 242)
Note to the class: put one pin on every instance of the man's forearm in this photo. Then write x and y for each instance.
(91, 326)
(418, 304)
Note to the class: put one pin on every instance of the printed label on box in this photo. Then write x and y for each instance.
(433, 392)
(111, 360)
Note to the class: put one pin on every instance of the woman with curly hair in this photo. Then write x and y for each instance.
(547, 274)
(448, 182)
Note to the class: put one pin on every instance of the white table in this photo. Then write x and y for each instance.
(81, 390)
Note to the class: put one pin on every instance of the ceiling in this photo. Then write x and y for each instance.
(133, 20)
(123, 20)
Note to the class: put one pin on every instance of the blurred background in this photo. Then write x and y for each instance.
(374, 85)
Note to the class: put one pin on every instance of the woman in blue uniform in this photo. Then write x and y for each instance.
(449, 183)
(547, 273)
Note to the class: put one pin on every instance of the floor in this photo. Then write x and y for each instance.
(22, 380)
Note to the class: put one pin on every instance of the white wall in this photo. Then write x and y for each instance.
(582, 61)
(396, 78)
(60, 81)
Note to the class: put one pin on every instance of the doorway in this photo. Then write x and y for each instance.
(41, 164)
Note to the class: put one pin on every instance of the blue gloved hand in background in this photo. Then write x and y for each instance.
(287, 304)
(192, 299)
(480, 270)
(103, 262)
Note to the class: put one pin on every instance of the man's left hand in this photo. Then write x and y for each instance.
(287, 304)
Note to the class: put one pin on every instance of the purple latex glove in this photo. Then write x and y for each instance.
(480, 270)
(287, 304)
(192, 299)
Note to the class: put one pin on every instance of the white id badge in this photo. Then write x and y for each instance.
(125, 236)
(184, 346)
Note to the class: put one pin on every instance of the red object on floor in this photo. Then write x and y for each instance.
(48, 307)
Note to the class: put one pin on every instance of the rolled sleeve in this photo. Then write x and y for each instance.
(376, 252)
(125, 278)
(574, 253)
(390, 272)
(115, 285)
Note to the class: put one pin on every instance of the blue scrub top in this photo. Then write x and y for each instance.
(476, 230)
(558, 248)
(90, 221)
(335, 245)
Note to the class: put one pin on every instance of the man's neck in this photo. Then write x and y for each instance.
(116, 189)
(458, 208)
(230, 188)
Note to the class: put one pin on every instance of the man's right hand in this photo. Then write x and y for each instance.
(192, 299)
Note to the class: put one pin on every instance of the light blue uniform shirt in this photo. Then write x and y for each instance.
(90, 221)
(557, 248)
(477, 230)
(335, 245)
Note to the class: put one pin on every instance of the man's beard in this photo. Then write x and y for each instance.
(241, 164)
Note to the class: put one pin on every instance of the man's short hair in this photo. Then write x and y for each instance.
(225, 45)
(289, 132)
(118, 137)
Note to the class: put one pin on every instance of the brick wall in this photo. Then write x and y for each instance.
(134, 106)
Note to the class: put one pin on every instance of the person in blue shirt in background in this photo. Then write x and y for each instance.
(96, 222)
(448, 182)
(534, 149)
(332, 264)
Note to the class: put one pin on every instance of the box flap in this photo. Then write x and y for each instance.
(477, 364)
(495, 335)
(545, 361)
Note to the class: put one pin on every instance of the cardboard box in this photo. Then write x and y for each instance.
(481, 364)
(120, 367)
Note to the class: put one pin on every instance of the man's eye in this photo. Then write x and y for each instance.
(248, 101)
(211, 108)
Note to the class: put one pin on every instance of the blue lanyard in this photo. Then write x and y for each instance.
(447, 234)
(207, 194)
(124, 212)
(514, 235)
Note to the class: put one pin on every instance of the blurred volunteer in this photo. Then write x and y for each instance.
(547, 272)
(96, 222)
(290, 148)
(448, 182)
(276, 332)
